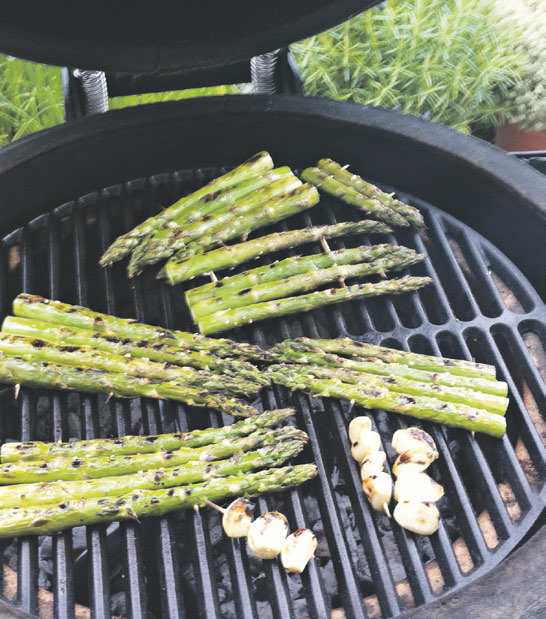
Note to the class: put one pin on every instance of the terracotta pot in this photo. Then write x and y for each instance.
(513, 137)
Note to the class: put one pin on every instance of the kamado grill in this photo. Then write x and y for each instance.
(66, 193)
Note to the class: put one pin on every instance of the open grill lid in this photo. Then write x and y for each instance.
(143, 36)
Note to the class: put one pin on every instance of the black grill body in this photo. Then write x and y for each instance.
(485, 304)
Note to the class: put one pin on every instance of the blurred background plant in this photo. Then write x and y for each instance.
(469, 64)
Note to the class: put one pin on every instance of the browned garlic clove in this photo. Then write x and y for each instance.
(413, 438)
(358, 425)
(267, 534)
(414, 460)
(367, 442)
(378, 489)
(417, 517)
(299, 548)
(372, 464)
(237, 518)
(411, 486)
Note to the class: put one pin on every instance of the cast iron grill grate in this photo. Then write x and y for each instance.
(480, 306)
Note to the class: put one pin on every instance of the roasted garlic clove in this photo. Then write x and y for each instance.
(266, 535)
(418, 517)
(367, 442)
(414, 460)
(299, 548)
(411, 486)
(413, 438)
(358, 425)
(372, 464)
(237, 518)
(378, 489)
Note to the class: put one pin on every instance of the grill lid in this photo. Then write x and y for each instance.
(142, 36)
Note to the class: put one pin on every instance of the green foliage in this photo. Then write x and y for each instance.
(119, 102)
(30, 98)
(445, 58)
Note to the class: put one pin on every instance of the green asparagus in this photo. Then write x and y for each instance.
(352, 348)
(431, 409)
(167, 241)
(28, 495)
(410, 213)
(46, 520)
(299, 283)
(33, 349)
(298, 200)
(291, 352)
(256, 165)
(127, 348)
(233, 255)
(46, 310)
(17, 371)
(127, 445)
(491, 403)
(70, 469)
(229, 319)
(370, 206)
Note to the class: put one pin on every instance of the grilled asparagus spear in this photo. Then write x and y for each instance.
(295, 265)
(370, 206)
(28, 495)
(299, 283)
(233, 255)
(15, 371)
(127, 445)
(352, 348)
(294, 352)
(256, 165)
(410, 213)
(126, 347)
(47, 310)
(33, 349)
(229, 319)
(296, 201)
(431, 409)
(488, 402)
(71, 469)
(167, 241)
(46, 520)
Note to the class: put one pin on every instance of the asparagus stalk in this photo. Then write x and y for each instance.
(47, 310)
(410, 213)
(15, 371)
(421, 407)
(126, 347)
(126, 445)
(299, 283)
(460, 395)
(370, 206)
(233, 255)
(291, 352)
(229, 319)
(28, 495)
(46, 520)
(256, 165)
(33, 349)
(296, 201)
(71, 469)
(167, 241)
(348, 347)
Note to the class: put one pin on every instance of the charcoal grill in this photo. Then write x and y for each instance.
(65, 194)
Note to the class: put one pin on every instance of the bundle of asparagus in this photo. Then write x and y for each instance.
(53, 486)
(337, 181)
(454, 392)
(55, 345)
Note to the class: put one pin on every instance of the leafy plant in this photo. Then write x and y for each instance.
(447, 59)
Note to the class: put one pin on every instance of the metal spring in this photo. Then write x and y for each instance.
(95, 90)
(263, 73)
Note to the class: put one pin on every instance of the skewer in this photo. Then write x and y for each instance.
(328, 252)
